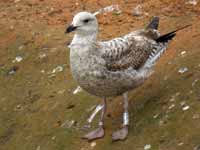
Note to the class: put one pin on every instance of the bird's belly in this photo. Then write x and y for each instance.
(88, 73)
(91, 80)
(102, 83)
(93, 77)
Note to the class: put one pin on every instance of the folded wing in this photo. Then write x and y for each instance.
(132, 50)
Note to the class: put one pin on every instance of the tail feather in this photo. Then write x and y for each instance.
(160, 47)
(169, 36)
(159, 50)
(154, 23)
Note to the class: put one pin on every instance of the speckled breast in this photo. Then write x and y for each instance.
(88, 72)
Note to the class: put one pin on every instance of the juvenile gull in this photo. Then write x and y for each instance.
(112, 68)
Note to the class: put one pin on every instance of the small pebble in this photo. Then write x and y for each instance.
(183, 70)
(192, 2)
(42, 55)
(58, 69)
(171, 106)
(18, 107)
(137, 11)
(53, 138)
(11, 27)
(147, 147)
(172, 99)
(93, 144)
(161, 122)
(186, 108)
(183, 53)
(42, 71)
(155, 116)
(61, 91)
(77, 90)
(17, 59)
(21, 47)
(71, 123)
(68, 124)
(52, 75)
(180, 144)
(194, 82)
(196, 116)
(109, 9)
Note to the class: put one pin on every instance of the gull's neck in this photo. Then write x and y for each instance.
(84, 39)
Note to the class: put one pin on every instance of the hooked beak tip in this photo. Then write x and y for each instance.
(70, 29)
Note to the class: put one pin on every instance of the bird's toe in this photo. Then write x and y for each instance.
(95, 134)
(120, 134)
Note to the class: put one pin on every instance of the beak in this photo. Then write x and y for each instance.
(70, 29)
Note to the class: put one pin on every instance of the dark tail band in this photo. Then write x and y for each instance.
(169, 36)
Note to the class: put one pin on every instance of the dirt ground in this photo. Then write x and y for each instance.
(38, 110)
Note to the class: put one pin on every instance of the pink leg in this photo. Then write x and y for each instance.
(123, 132)
(99, 132)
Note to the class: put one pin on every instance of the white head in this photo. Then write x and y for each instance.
(84, 23)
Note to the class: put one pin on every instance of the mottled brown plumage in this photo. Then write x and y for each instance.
(131, 50)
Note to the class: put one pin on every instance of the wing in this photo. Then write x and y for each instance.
(131, 50)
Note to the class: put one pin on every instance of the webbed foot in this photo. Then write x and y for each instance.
(120, 134)
(95, 134)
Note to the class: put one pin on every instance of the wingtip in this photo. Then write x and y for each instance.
(169, 36)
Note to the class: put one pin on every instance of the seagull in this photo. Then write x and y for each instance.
(112, 68)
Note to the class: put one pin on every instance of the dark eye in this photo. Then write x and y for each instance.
(86, 20)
